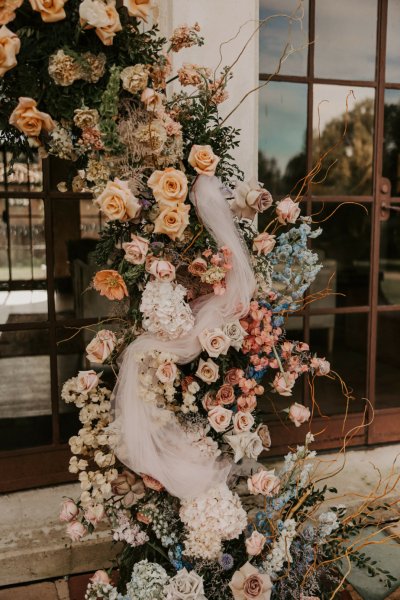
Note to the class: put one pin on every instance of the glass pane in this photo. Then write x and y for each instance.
(344, 249)
(25, 398)
(389, 266)
(388, 361)
(341, 339)
(393, 42)
(345, 36)
(76, 226)
(391, 143)
(21, 175)
(282, 135)
(347, 168)
(278, 31)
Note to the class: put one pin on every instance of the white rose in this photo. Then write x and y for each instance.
(235, 332)
(244, 444)
(185, 586)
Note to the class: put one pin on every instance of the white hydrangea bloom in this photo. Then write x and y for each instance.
(165, 312)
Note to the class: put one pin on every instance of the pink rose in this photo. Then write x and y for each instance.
(299, 414)
(209, 401)
(220, 418)
(264, 243)
(243, 421)
(225, 394)
(255, 543)
(287, 211)
(101, 346)
(69, 510)
(166, 373)
(247, 403)
(136, 250)
(250, 199)
(233, 376)
(100, 577)
(198, 266)
(87, 381)
(207, 371)
(283, 383)
(264, 482)
(264, 435)
(203, 160)
(248, 584)
(162, 270)
(94, 513)
(321, 366)
(76, 531)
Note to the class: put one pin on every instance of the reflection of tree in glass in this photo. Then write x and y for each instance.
(391, 146)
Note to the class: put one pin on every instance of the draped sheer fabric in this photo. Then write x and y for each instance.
(147, 442)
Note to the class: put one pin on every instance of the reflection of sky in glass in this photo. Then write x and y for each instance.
(345, 39)
(393, 42)
(331, 100)
(277, 32)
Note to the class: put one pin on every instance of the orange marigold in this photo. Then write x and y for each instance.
(110, 284)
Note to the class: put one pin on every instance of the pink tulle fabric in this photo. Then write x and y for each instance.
(145, 444)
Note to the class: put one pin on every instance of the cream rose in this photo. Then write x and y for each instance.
(136, 250)
(101, 16)
(68, 511)
(249, 584)
(207, 371)
(264, 482)
(242, 421)
(287, 211)
(50, 10)
(225, 394)
(255, 543)
(9, 47)
(247, 403)
(134, 79)
(299, 414)
(235, 333)
(214, 342)
(264, 243)
(167, 372)
(138, 8)
(117, 202)
(250, 199)
(169, 187)
(28, 119)
(162, 270)
(203, 160)
(87, 381)
(76, 531)
(172, 221)
(7, 10)
(220, 418)
(101, 346)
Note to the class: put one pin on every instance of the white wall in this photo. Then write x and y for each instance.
(221, 20)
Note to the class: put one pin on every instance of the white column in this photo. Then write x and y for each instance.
(220, 20)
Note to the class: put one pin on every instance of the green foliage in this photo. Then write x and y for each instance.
(109, 111)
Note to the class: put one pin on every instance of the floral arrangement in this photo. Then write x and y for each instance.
(85, 82)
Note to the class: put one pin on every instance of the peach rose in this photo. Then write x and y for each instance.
(283, 383)
(203, 160)
(100, 576)
(249, 584)
(9, 47)
(247, 403)
(172, 221)
(87, 381)
(101, 346)
(167, 372)
(209, 401)
(250, 199)
(321, 365)
(207, 371)
(152, 483)
(255, 543)
(94, 514)
(225, 394)
(214, 342)
(7, 10)
(299, 414)
(76, 531)
(117, 202)
(102, 17)
(152, 99)
(110, 284)
(287, 211)
(242, 421)
(198, 266)
(28, 119)
(50, 10)
(138, 8)
(264, 435)
(68, 511)
(264, 482)
(169, 187)
(233, 376)
(136, 250)
(220, 418)
(264, 243)
(162, 270)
